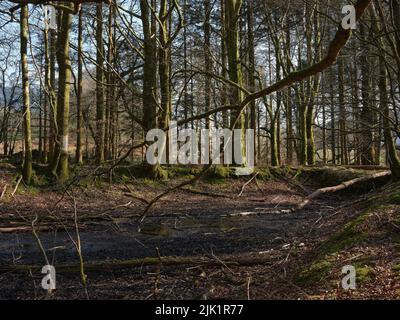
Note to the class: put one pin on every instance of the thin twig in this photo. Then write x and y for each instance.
(246, 184)
(16, 186)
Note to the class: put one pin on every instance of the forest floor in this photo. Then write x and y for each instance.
(296, 255)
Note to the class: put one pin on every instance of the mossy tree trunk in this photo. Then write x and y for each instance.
(149, 76)
(24, 35)
(308, 152)
(392, 157)
(111, 104)
(288, 100)
(384, 108)
(164, 67)
(53, 99)
(79, 116)
(232, 12)
(274, 141)
(100, 114)
(314, 53)
(207, 58)
(63, 97)
(224, 97)
(252, 70)
(302, 123)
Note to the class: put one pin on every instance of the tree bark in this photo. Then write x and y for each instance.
(79, 117)
(100, 114)
(232, 11)
(63, 99)
(24, 36)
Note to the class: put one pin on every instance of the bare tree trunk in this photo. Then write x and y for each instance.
(366, 116)
(207, 58)
(384, 108)
(344, 157)
(333, 126)
(110, 98)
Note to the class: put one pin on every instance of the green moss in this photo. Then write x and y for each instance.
(329, 176)
(218, 174)
(314, 273)
(221, 172)
(297, 174)
(363, 274)
(125, 179)
(140, 171)
(183, 172)
(396, 240)
(86, 182)
(125, 173)
(394, 199)
(320, 267)
(7, 166)
(151, 182)
(352, 235)
(348, 237)
(41, 180)
(28, 190)
(98, 183)
(396, 269)
(264, 174)
(278, 172)
(157, 173)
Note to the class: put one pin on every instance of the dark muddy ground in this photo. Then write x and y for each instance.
(219, 227)
(182, 224)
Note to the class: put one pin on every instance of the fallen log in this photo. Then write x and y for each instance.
(342, 186)
(23, 229)
(150, 261)
(42, 228)
(318, 193)
(366, 167)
